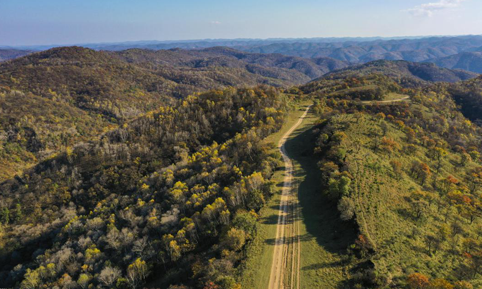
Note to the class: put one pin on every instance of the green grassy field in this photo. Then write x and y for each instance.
(393, 96)
(324, 237)
(383, 210)
(352, 89)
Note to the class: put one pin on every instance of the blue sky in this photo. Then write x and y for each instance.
(36, 22)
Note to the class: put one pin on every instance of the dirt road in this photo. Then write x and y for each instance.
(385, 101)
(285, 268)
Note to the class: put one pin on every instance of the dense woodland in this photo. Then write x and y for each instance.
(54, 99)
(175, 191)
(95, 91)
(119, 170)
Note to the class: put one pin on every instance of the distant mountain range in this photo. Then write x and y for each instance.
(7, 54)
(321, 54)
(360, 52)
(470, 61)
(204, 43)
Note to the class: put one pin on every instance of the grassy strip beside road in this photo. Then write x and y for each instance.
(324, 237)
(260, 252)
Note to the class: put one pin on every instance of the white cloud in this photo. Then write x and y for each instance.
(215, 23)
(428, 9)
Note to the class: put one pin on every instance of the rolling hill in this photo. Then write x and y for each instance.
(63, 96)
(352, 50)
(294, 69)
(95, 91)
(173, 190)
(469, 61)
(406, 74)
(415, 50)
(404, 69)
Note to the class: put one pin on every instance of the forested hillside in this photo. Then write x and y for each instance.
(468, 95)
(297, 70)
(459, 52)
(470, 61)
(54, 99)
(174, 192)
(118, 169)
(416, 73)
(408, 175)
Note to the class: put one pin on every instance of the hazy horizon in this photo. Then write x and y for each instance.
(274, 39)
(55, 22)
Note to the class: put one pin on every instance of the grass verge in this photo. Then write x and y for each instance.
(324, 238)
(256, 269)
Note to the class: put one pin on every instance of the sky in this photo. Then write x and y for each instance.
(62, 22)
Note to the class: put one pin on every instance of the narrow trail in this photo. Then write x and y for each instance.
(385, 101)
(285, 267)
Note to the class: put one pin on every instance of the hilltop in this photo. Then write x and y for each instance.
(57, 98)
(382, 73)
(104, 89)
(349, 50)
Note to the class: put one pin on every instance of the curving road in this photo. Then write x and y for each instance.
(285, 268)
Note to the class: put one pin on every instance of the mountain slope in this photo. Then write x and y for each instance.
(354, 50)
(468, 95)
(87, 79)
(365, 51)
(7, 54)
(296, 69)
(408, 175)
(371, 80)
(176, 191)
(469, 61)
(404, 69)
(171, 195)
(105, 89)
